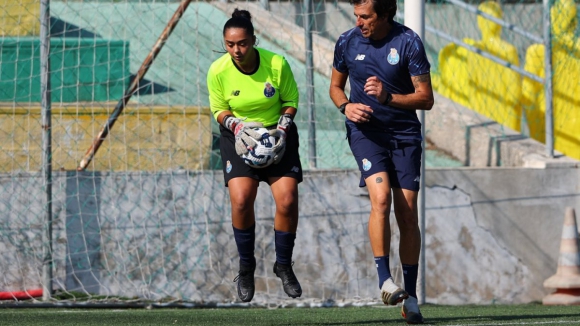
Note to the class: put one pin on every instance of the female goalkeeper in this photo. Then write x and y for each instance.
(249, 87)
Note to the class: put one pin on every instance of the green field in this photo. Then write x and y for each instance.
(529, 314)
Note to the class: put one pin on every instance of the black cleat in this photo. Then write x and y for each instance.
(245, 279)
(289, 280)
(411, 311)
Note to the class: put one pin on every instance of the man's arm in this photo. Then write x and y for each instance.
(422, 99)
(337, 85)
(355, 112)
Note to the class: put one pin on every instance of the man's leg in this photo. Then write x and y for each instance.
(372, 154)
(406, 174)
(405, 204)
(380, 236)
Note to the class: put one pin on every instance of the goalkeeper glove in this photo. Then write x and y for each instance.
(280, 146)
(243, 131)
(231, 122)
(280, 132)
(285, 122)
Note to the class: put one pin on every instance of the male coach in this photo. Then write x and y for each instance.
(389, 76)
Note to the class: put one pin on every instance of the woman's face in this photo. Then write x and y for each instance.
(238, 44)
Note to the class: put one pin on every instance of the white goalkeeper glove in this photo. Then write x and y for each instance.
(285, 122)
(243, 132)
(280, 146)
(280, 132)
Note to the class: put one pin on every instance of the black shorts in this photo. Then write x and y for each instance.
(374, 153)
(233, 165)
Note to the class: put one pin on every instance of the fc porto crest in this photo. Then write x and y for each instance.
(366, 164)
(228, 167)
(393, 57)
(269, 90)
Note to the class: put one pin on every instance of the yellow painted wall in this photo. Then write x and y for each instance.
(143, 138)
(19, 17)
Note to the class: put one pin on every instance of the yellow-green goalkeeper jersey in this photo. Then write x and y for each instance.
(257, 97)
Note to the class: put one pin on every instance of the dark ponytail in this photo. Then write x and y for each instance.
(240, 19)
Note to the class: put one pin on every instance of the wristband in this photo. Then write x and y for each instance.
(388, 99)
(342, 107)
(230, 122)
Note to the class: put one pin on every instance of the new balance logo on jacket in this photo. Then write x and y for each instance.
(360, 57)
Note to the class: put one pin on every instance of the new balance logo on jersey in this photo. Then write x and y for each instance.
(360, 57)
(235, 93)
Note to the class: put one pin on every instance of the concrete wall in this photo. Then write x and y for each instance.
(492, 236)
(479, 142)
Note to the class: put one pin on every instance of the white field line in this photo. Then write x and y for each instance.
(518, 323)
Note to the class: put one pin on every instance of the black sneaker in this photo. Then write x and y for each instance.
(245, 279)
(289, 280)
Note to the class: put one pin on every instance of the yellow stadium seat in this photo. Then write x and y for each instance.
(496, 88)
(480, 83)
(565, 85)
(453, 80)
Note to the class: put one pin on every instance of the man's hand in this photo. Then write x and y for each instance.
(374, 87)
(358, 112)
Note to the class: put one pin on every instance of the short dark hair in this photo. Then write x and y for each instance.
(240, 19)
(383, 8)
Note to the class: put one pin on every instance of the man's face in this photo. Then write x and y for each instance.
(367, 20)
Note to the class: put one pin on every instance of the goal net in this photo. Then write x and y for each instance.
(148, 220)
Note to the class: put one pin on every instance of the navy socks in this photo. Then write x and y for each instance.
(382, 264)
(284, 245)
(410, 273)
(245, 241)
